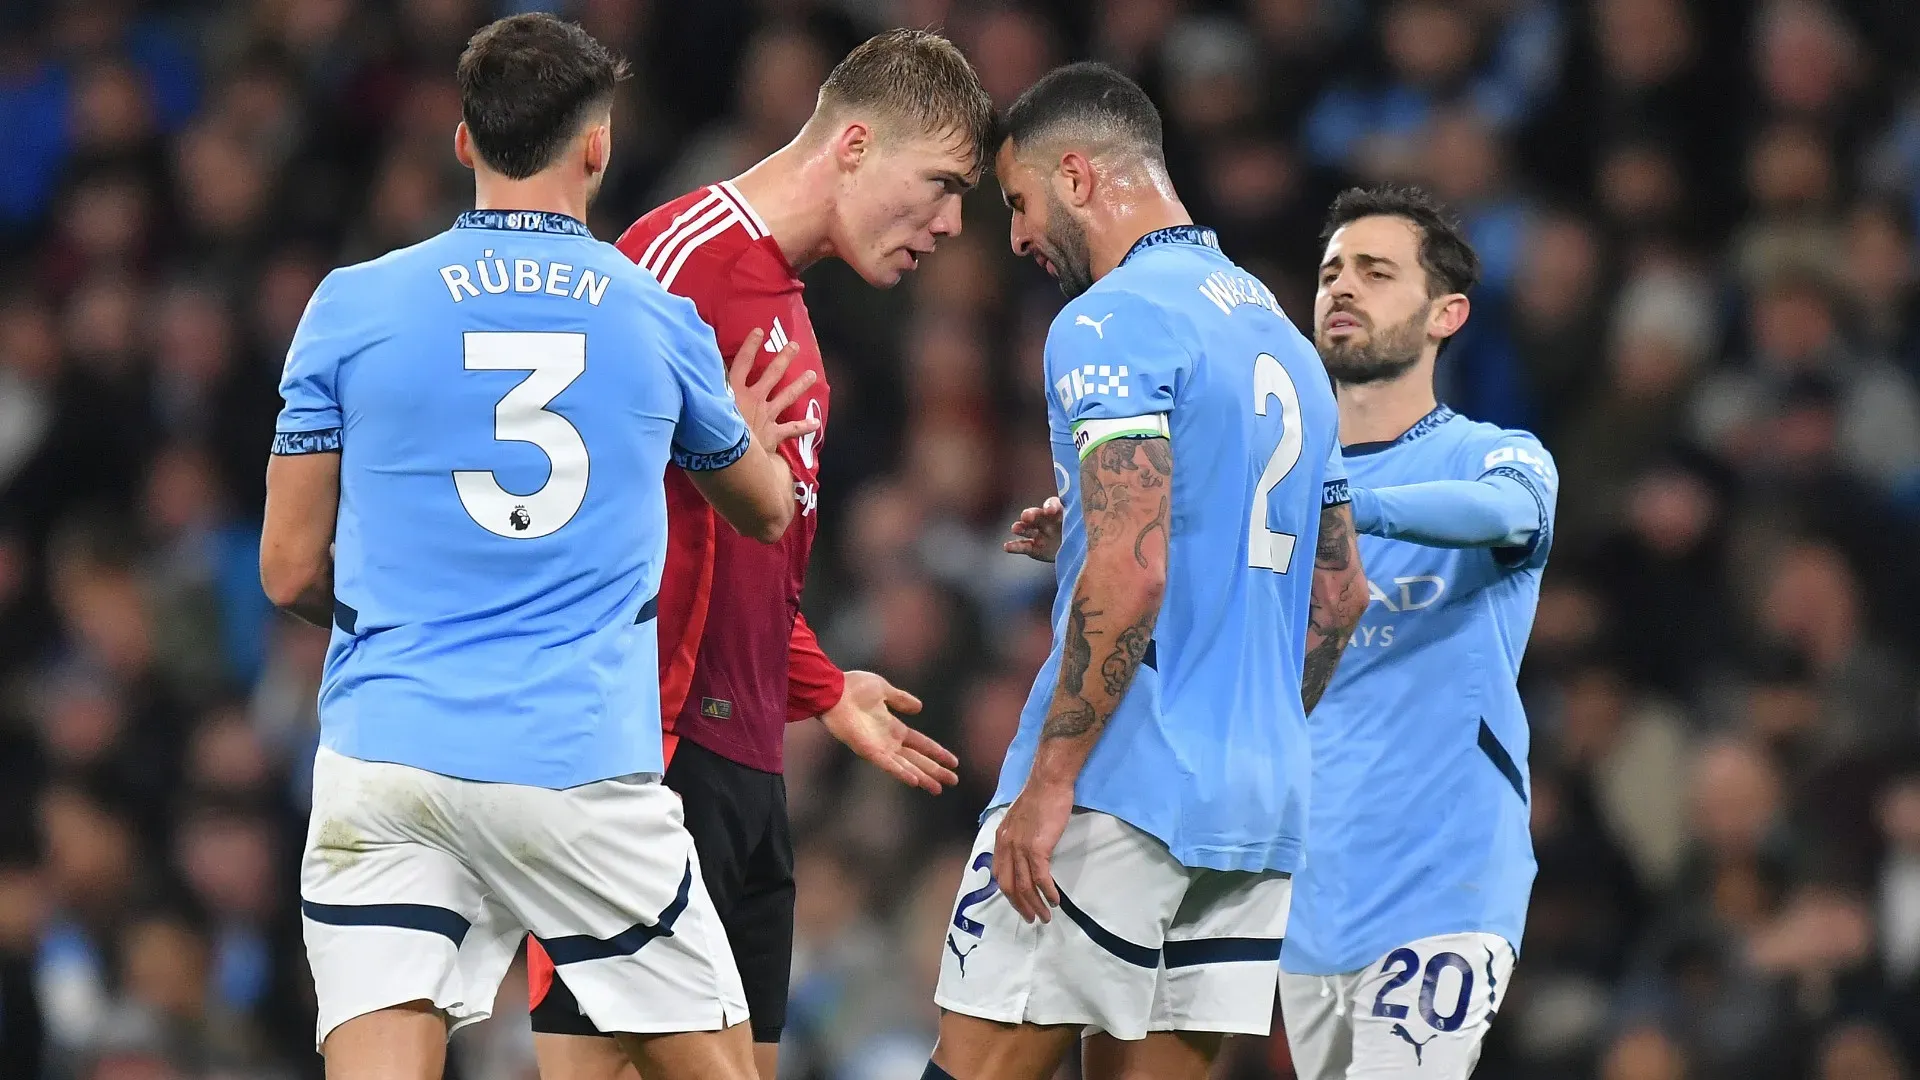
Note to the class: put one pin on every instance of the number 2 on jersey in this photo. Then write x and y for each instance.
(555, 360)
(1265, 547)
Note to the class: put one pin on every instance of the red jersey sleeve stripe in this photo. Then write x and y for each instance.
(692, 235)
(756, 228)
(673, 228)
(731, 219)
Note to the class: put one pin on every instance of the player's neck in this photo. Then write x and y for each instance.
(791, 189)
(1127, 223)
(1383, 411)
(552, 194)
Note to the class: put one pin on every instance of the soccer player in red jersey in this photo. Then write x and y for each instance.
(874, 179)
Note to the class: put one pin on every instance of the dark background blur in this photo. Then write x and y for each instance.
(1698, 226)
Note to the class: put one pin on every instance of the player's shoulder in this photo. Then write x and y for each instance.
(707, 239)
(1118, 309)
(1480, 447)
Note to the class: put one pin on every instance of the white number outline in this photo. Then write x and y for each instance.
(555, 360)
(1267, 549)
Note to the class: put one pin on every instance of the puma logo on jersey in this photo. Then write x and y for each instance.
(1419, 1048)
(961, 956)
(1099, 327)
(777, 338)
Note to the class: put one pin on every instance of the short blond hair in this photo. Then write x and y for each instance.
(919, 77)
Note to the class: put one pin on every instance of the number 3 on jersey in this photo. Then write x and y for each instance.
(1267, 548)
(522, 416)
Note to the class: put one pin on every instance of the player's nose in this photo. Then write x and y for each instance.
(947, 222)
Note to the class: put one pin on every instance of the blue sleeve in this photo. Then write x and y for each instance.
(1508, 509)
(1333, 482)
(1116, 369)
(309, 421)
(711, 433)
(1518, 457)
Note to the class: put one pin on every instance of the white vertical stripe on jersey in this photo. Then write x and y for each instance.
(756, 225)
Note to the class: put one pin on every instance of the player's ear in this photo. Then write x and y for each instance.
(851, 146)
(1448, 314)
(1073, 180)
(463, 144)
(599, 148)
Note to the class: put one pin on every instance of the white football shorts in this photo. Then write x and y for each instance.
(1139, 942)
(1422, 1010)
(416, 886)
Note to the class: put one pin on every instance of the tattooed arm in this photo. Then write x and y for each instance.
(1125, 489)
(1339, 600)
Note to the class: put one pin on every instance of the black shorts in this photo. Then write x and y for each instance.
(738, 818)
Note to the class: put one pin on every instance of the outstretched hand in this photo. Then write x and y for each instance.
(864, 719)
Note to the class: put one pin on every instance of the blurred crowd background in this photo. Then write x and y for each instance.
(1698, 224)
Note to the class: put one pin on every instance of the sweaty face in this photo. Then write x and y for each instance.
(904, 196)
(1371, 311)
(1042, 228)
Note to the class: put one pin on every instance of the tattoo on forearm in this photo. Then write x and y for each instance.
(1111, 477)
(1339, 599)
(1070, 719)
(1336, 540)
(1116, 671)
(1076, 654)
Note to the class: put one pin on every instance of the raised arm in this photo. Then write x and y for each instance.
(1496, 511)
(1125, 489)
(1339, 600)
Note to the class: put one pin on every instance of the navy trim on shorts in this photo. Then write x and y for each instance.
(648, 610)
(434, 920)
(1222, 950)
(1490, 746)
(582, 947)
(1137, 955)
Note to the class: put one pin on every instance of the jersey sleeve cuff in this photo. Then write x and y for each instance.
(1089, 434)
(709, 462)
(292, 443)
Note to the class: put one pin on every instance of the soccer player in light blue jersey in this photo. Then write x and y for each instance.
(467, 485)
(1407, 917)
(1131, 875)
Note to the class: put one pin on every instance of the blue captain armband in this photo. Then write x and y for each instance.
(291, 443)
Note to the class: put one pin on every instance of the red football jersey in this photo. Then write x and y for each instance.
(737, 660)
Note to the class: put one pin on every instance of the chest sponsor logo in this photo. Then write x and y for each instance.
(807, 495)
(808, 444)
(1405, 594)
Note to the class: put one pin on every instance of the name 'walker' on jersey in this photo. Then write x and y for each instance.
(505, 398)
(1208, 749)
(1420, 798)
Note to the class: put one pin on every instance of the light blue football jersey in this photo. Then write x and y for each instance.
(1208, 749)
(1419, 824)
(505, 398)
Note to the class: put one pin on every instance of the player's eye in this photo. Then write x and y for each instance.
(1378, 275)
